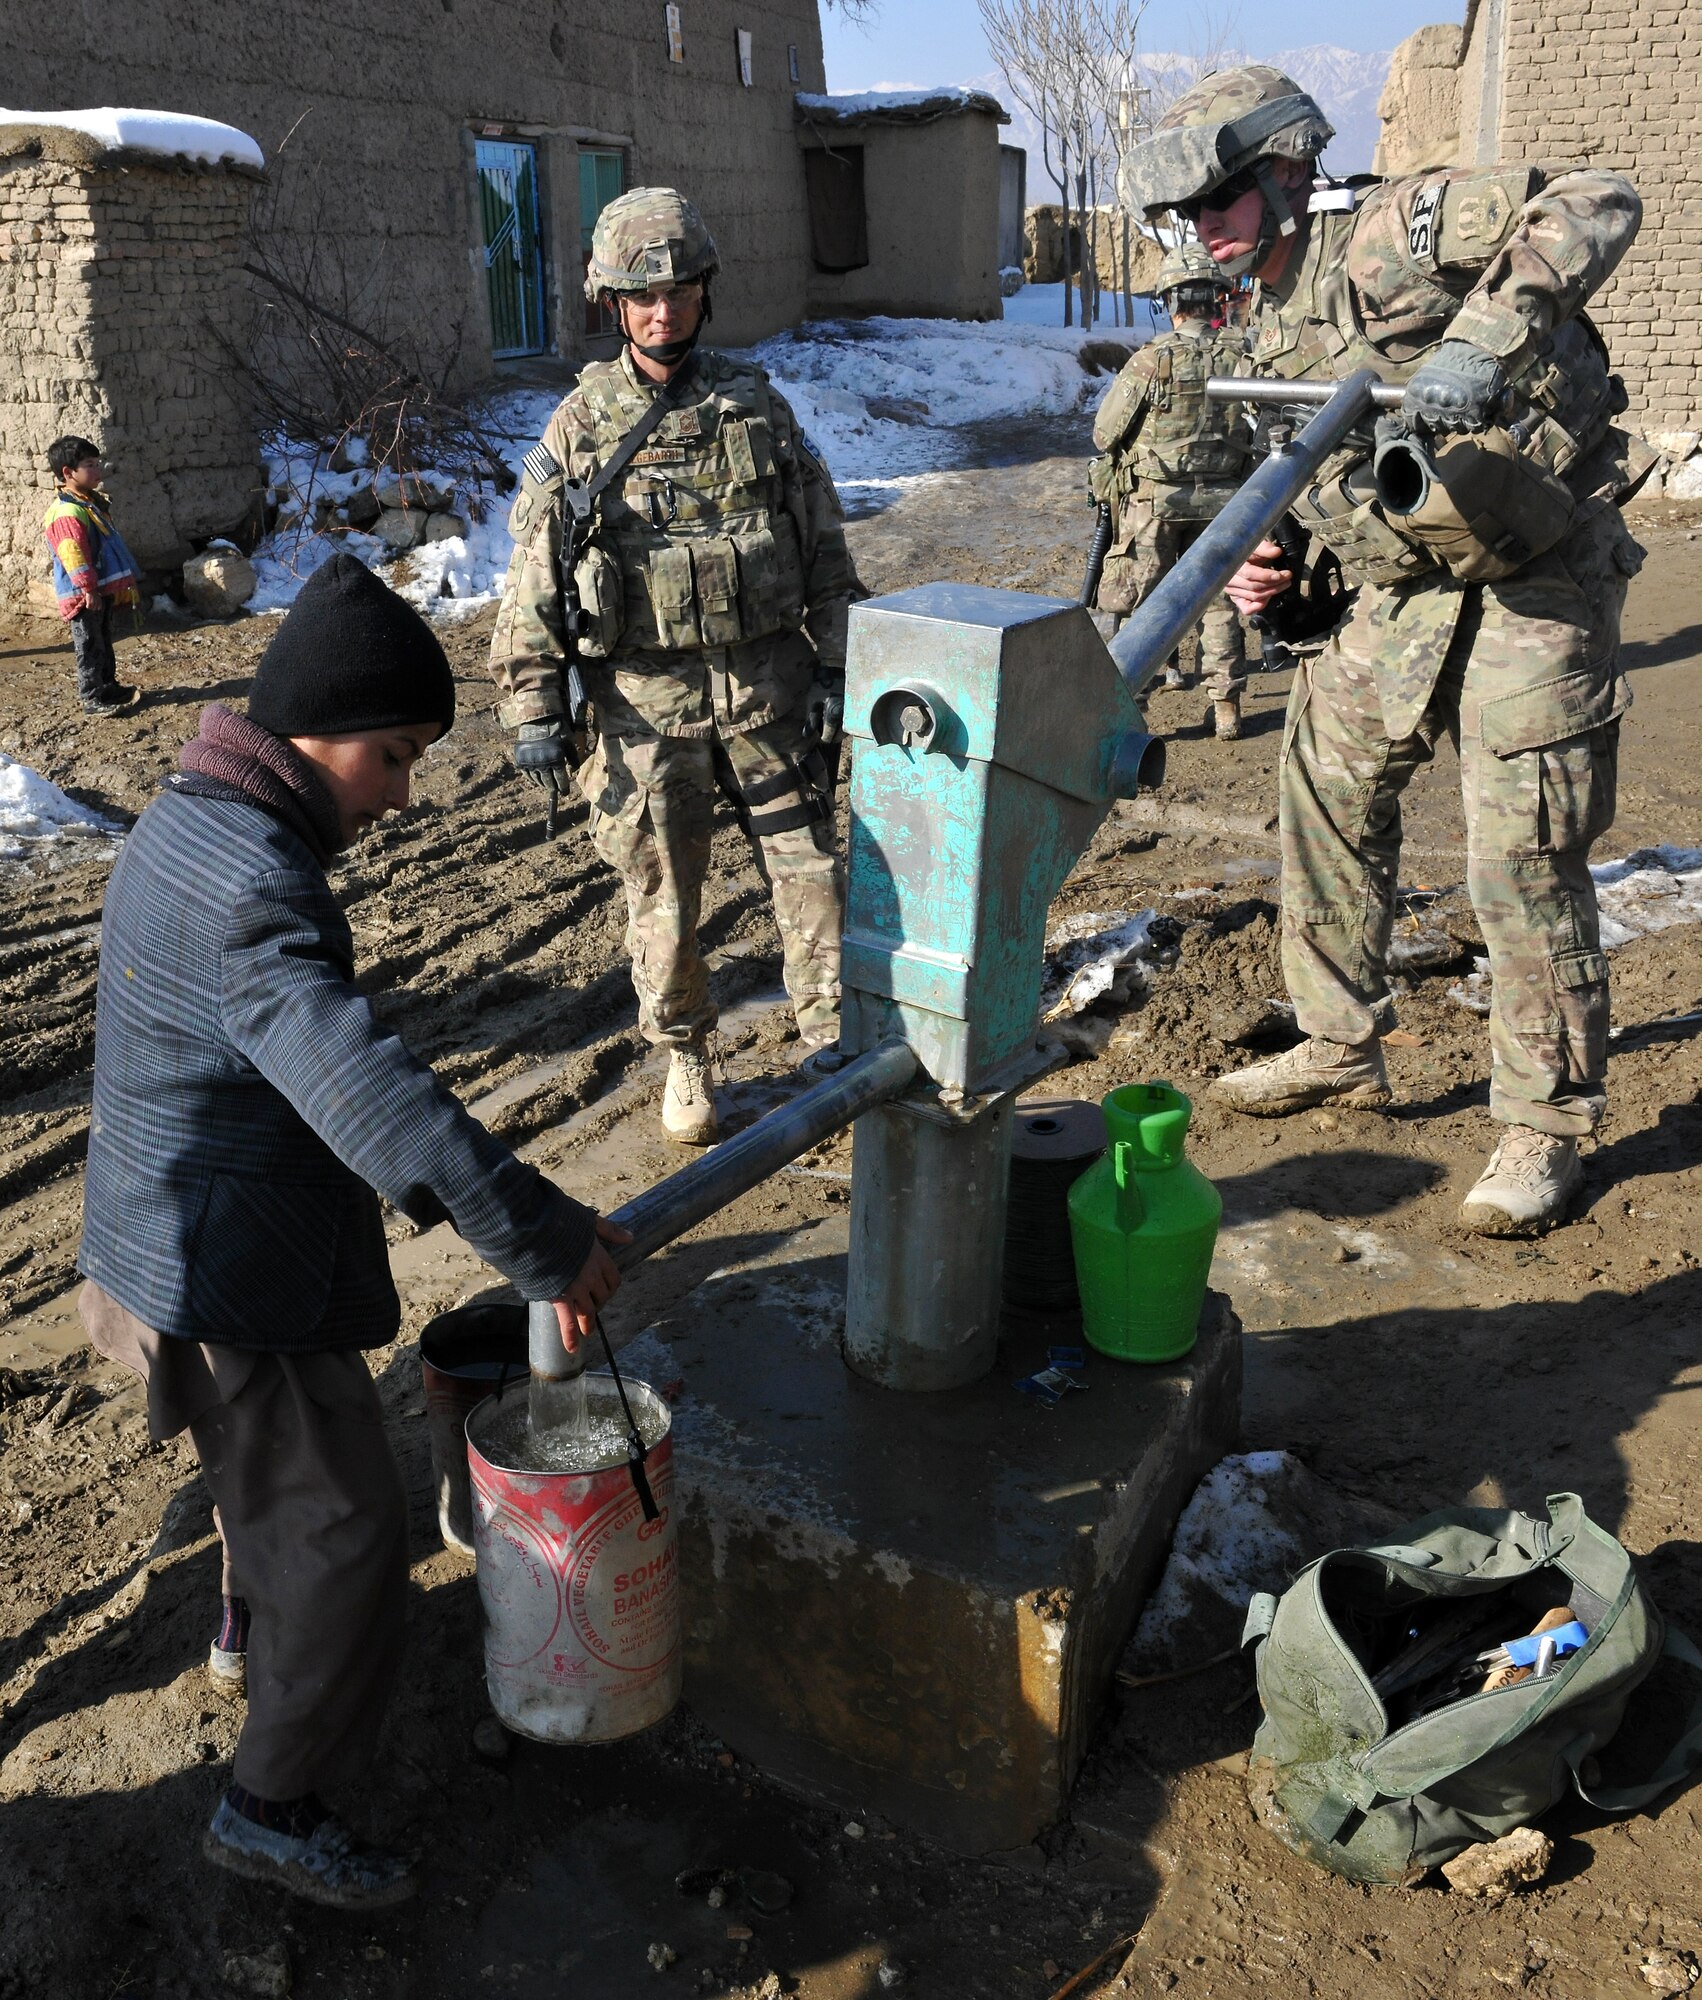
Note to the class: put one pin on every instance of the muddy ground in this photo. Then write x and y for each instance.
(1402, 1359)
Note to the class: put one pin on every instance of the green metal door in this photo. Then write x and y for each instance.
(602, 175)
(514, 264)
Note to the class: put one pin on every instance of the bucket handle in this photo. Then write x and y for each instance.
(636, 1448)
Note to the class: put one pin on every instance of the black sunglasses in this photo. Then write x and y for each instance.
(1223, 196)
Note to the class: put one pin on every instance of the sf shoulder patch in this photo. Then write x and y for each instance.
(539, 466)
(1421, 230)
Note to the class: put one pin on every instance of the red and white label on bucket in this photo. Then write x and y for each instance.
(621, 1582)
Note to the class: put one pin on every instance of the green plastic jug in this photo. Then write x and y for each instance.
(1143, 1220)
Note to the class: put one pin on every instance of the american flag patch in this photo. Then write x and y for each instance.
(539, 466)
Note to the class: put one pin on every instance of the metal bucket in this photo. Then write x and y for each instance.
(581, 1594)
(465, 1356)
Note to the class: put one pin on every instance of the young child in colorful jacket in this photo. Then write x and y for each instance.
(94, 574)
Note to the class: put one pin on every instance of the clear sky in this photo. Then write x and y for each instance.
(939, 41)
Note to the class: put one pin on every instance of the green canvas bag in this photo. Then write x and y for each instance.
(1378, 1787)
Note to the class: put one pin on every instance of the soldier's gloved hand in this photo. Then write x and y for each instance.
(825, 714)
(540, 755)
(1460, 388)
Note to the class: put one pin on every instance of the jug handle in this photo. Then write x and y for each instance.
(1131, 1210)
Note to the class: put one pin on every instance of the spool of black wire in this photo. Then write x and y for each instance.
(1054, 1141)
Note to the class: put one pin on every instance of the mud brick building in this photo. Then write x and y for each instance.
(119, 289)
(438, 163)
(1614, 83)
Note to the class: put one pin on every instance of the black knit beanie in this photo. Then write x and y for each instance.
(351, 655)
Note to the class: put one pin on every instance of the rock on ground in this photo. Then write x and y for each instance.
(1494, 1868)
(219, 583)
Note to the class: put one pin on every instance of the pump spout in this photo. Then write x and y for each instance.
(1137, 764)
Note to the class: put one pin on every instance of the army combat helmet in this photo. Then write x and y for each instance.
(1189, 280)
(1218, 140)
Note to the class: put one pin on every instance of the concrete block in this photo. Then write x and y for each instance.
(910, 1603)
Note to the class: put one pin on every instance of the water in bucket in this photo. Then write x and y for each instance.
(1144, 1223)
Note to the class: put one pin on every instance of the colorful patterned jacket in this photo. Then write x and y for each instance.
(90, 561)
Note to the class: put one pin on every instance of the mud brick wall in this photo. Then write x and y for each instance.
(382, 105)
(117, 281)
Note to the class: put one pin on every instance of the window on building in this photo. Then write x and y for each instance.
(792, 69)
(514, 261)
(602, 176)
(839, 219)
(676, 35)
(744, 38)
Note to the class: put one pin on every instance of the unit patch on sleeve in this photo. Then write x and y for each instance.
(1421, 231)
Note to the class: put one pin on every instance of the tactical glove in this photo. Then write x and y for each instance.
(1460, 388)
(540, 756)
(825, 714)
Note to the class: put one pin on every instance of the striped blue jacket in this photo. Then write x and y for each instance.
(247, 1103)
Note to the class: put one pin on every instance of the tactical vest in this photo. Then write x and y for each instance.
(1188, 453)
(1567, 398)
(700, 544)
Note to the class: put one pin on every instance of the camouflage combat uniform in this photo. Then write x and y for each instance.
(1170, 460)
(716, 591)
(1522, 673)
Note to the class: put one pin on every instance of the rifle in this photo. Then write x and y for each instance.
(1104, 528)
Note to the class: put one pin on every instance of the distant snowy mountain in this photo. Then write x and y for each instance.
(1346, 82)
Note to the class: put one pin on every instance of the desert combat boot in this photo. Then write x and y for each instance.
(688, 1102)
(1317, 1072)
(1527, 1187)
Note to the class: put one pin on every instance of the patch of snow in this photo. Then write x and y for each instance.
(1043, 305)
(1099, 953)
(909, 99)
(1654, 889)
(883, 401)
(168, 133)
(1227, 1543)
(37, 817)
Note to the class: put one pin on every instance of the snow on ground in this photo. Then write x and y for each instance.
(1228, 1544)
(1650, 890)
(168, 133)
(886, 402)
(38, 822)
(1043, 305)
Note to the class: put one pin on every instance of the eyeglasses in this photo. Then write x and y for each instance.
(676, 297)
(1223, 196)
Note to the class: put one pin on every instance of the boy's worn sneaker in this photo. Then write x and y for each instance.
(227, 1672)
(1226, 720)
(1317, 1072)
(1528, 1186)
(688, 1101)
(113, 699)
(326, 1866)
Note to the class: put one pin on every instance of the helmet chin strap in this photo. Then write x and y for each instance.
(1276, 220)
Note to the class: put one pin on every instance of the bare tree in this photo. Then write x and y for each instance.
(1071, 65)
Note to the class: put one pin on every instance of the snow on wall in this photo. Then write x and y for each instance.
(167, 133)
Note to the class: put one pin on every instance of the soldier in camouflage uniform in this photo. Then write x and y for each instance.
(1465, 285)
(1170, 459)
(714, 593)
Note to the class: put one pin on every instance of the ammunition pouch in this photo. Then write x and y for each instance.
(602, 602)
(1482, 505)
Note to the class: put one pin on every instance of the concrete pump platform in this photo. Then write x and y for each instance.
(914, 1603)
